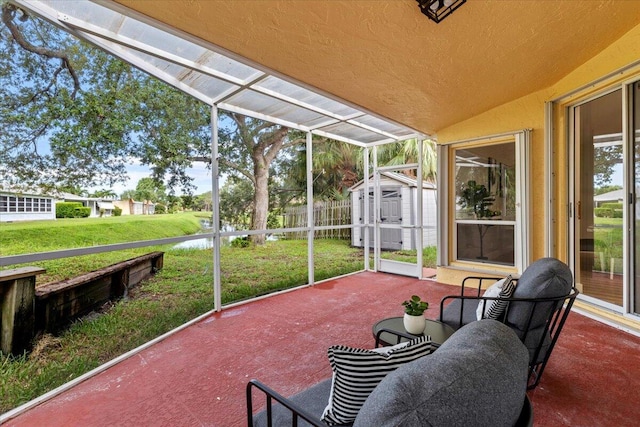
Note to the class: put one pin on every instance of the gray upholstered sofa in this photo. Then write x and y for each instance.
(478, 377)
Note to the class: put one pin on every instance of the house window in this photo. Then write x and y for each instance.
(24, 204)
(487, 220)
(485, 203)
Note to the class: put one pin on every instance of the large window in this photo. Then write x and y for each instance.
(24, 204)
(487, 209)
(485, 203)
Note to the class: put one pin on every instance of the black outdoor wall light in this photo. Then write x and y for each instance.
(437, 10)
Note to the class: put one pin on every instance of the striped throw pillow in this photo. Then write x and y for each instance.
(356, 372)
(496, 308)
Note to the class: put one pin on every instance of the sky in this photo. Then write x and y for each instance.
(136, 171)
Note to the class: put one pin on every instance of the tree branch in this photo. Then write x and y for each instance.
(293, 142)
(238, 168)
(8, 13)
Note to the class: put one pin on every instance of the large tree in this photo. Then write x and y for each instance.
(63, 107)
(257, 146)
(74, 116)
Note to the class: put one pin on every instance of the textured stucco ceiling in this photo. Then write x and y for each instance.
(389, 58)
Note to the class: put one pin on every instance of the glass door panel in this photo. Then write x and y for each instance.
(599, 193)
(635, 290)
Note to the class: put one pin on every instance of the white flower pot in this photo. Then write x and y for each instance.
(414, 324)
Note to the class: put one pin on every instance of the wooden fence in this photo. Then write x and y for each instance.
(336, 212)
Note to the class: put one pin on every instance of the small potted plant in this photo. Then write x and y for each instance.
(414, 320)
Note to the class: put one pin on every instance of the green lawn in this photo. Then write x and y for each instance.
(177, 294)
(42, 236)
(181, 291)
(608, 238)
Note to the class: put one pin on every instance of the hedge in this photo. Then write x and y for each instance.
(71, 210)
(604, 212)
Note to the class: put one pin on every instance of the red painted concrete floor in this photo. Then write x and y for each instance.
(197, 377)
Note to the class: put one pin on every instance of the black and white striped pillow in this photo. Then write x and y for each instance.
(497, 307)
(356, 372)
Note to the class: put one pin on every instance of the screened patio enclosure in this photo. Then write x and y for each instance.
(228, 82)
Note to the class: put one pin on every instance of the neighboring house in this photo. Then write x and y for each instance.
(615, 196)
(124, 205)
(95, 203)
(26, 207)
(131, 207)
(398, 205)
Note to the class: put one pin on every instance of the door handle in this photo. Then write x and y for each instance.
(579, 213)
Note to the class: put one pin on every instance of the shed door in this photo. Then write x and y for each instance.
(390, 214)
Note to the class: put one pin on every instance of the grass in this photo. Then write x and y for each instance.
(608, 238)
(42, 236)
(177, 294)
(428, 256)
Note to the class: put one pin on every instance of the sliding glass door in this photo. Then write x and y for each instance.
(635, 188)
(598, 209)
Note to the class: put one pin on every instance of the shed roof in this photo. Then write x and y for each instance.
(395, 176)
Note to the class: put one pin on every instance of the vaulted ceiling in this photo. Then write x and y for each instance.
(387, 57)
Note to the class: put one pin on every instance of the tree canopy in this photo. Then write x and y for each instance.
(74, 117)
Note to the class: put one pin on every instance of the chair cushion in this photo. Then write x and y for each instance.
(494, 309)
(451, 313)
(477, 377)
(356, 372)
(544, 278)
(313, 400)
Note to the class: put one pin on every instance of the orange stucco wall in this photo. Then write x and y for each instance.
(528, 112)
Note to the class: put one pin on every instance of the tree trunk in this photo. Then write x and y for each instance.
(260, 202)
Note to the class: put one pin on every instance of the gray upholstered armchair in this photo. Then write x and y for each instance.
(536, 311)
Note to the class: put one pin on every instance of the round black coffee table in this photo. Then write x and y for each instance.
(391, 331)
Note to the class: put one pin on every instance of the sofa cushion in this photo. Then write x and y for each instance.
(544, 278)
(477, 377)
(356, 372)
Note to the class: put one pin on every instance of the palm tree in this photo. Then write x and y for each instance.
(104, 193)
(336, 167)
(406, 152)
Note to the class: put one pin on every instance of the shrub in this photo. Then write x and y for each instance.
(241, 242)
(160, 209)
(611, 206)
(273, 219)
(82, 212)
(102, 211)
(117, 211)
(603, 212)
(67, 209)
